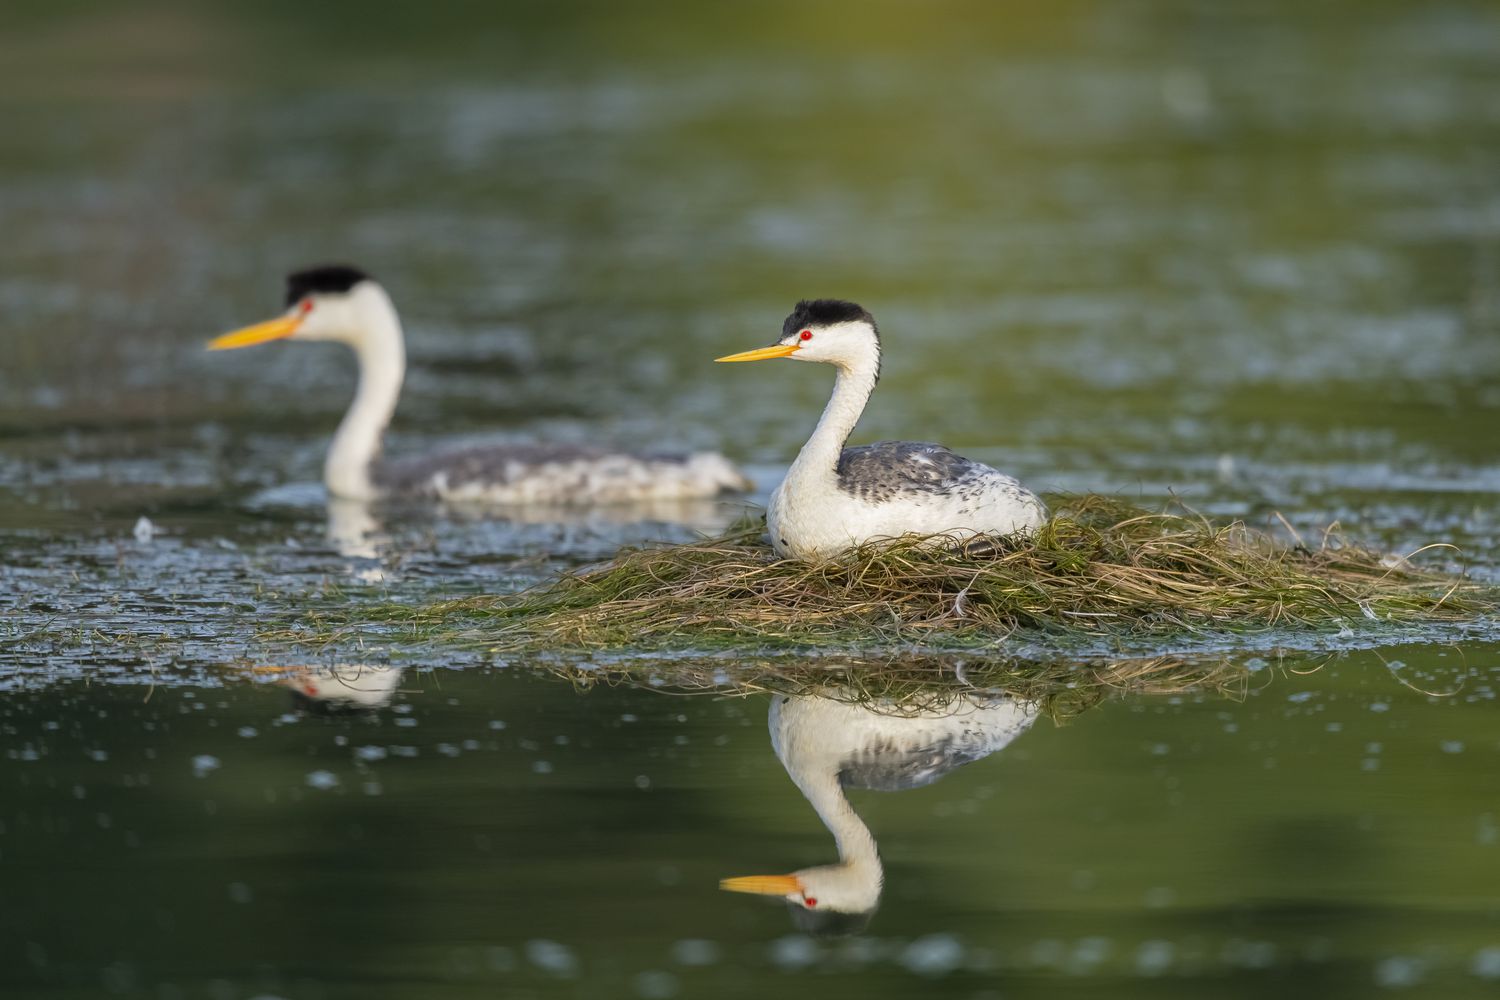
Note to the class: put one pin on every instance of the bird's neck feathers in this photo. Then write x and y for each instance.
(859, 874)
(817, 463)
(381, 354)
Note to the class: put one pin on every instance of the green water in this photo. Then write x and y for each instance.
(1251, 259)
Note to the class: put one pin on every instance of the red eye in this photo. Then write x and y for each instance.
(808, 899)
(806, 335)
(306, 306)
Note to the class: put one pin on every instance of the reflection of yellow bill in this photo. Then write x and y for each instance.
(764, 353)
(763, 885)
(260, 333)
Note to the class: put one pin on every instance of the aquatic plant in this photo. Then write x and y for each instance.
(1098, 568)
(919, 684)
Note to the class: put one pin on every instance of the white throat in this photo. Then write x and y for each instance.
(858, 853)
(816, 465)
(381, 355)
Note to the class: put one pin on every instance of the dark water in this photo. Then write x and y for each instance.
(499, 833)
(1247, 259)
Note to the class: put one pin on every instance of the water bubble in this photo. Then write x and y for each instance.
(1088, 953)
(240, 893)
(1159, 897)
(1153, 958)
(655, 985)
(553, 957)
(1048, 951)
(1400, 971)
(933, 955)
(370, 753)
(794, 952)
(695, 951)
(204, 763)
(322, 780)
(1453, 746)
(1486, 964)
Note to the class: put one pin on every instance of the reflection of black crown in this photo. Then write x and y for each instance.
(323, 279)
(829, 923)
(328, 707)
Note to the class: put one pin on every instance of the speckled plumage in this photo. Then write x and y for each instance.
(884, 470)
(559, 475)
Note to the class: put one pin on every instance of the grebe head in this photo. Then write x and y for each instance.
(833, 899)
(331, 302)
(828, 330)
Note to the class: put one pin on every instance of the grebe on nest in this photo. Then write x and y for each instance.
(345, 304)
(835, 498)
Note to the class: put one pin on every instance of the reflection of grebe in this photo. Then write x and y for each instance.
(356, 532)
(345, 304)
(827, 746)
(835, 498)
(336, 690)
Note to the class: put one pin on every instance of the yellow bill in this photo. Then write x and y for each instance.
(764, 353)
(260, 333)
(763, 885)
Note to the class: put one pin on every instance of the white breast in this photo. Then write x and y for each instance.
(820, 522)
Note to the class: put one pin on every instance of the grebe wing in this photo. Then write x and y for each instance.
(497, 464)
(885, 768)
(876, 472)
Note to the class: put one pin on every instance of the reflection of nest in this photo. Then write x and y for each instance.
(1098, 568)
(923, 685)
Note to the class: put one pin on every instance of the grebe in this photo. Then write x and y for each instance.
(345, 304)
(835, 498)
(828, 745)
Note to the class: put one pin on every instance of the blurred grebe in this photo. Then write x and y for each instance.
(346, 305)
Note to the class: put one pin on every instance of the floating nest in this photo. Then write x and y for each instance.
(1097, 569)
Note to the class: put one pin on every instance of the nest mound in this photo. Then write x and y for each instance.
(1097, 568)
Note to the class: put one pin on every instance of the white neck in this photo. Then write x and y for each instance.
(858, 853)
(381, 355)
(816, 466)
